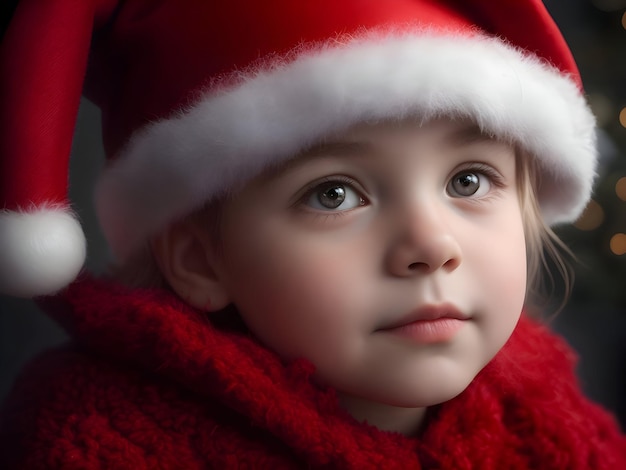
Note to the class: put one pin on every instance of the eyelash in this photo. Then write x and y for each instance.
(495, 178)
(314, 186)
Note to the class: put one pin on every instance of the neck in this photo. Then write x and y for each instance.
(406, 421)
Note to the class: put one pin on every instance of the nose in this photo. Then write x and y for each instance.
(423, 242)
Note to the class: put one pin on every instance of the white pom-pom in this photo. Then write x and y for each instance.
(42, 251)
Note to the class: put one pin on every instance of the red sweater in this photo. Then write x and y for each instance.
(149, 383)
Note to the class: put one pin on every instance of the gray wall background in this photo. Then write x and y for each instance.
(594, 324)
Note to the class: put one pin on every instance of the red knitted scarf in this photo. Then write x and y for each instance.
(153, 384)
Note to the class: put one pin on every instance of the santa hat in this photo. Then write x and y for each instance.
(198, 97)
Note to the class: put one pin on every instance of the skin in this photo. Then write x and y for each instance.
(430, 217)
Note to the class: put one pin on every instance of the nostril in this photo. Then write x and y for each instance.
(451, 264)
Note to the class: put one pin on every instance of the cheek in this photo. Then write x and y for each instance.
(499, 254)
(290, 291)
(502, 271)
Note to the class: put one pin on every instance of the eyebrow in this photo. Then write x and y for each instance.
(470, 134)
(465, 135)
(339, 149)
(344, 148)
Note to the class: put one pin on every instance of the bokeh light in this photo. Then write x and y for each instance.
(618, 244)
(620, 188)
(591, 218)
(622, 117)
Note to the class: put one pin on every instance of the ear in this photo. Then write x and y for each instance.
(186, 259)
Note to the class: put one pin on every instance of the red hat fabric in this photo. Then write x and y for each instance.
(198, 97)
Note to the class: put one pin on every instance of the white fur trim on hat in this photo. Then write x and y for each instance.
(42, 251)
(171, 167)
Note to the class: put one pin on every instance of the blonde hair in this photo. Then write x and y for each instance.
(544, 250)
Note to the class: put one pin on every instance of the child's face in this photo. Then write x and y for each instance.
(386, 225)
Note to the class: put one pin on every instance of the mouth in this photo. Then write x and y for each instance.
(429, 324)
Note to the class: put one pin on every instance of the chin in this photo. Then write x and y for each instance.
(418, 396)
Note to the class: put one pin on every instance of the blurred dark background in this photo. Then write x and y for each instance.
(594, 319)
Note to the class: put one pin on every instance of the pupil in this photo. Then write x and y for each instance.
(467, 180)
(334, 193)
(332, 197)
(466, 184)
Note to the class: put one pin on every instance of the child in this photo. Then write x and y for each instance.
(327, 217)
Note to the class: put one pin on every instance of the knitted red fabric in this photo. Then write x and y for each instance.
(150, 383)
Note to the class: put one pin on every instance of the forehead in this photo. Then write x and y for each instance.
(364, 138)
(455, 132)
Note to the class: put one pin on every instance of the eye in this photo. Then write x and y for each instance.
(469, 183)
(333, 195)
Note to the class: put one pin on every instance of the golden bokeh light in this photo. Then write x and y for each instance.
(591, 218)
(618, 244)
(622, 117)
(624, 20)
(620, 188)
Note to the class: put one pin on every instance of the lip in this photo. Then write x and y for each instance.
(429, 324)
(429, 312)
